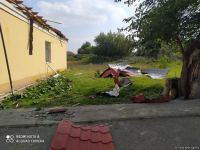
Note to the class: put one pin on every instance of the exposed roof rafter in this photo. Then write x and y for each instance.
(34, 15)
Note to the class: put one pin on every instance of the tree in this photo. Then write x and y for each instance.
(112, 45)
(149, 49)
(70, 55)
(169, 21)
(165, 20)
(86, 48)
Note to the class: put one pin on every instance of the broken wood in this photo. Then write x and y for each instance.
(31, 37)
(172, 88)
(57, 110)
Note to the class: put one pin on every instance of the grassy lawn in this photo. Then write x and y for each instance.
(84, 84)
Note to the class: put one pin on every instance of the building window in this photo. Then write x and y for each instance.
(48, 51)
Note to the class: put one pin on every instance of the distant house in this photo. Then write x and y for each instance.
(30, 44)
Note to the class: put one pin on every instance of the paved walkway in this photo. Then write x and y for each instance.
(99, 113)
(166, 126)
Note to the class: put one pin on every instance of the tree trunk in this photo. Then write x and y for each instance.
(190, 76)
(180, 44)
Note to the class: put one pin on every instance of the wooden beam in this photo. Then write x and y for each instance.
(7, 63)
(10, 1)
(40, 17)
(31, 37)
(29, 8)
(18, 1)
(35, 13)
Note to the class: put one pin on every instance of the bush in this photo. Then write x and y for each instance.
(54, 86)
(91, 58)
(136, 60)
(97, 74)
(98, 59)
(163, 61)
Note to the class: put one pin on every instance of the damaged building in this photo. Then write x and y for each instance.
(30, 49)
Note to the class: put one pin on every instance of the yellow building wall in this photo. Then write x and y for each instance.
(27, 68)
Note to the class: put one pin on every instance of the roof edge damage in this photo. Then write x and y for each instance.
(27, 11)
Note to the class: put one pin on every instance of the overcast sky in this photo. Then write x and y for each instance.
(82, 19)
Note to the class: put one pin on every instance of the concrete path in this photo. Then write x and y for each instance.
(145, 134)
(97, 113)
(166, 126)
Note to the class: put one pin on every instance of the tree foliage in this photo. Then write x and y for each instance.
(70, 55)
(112, 45)
(165, 20)
(149, 49)
(169, 21)
(86, 48)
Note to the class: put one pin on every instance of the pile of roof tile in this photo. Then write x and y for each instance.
(75, 137)
(141, 99)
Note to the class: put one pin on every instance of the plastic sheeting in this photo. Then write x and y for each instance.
(114, 92)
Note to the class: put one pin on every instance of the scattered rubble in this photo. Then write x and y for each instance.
(141, 99)
(57, 110)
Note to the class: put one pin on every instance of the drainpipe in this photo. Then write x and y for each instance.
(6, 57)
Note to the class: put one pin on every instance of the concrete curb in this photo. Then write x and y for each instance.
(100, 113)
(96, 121)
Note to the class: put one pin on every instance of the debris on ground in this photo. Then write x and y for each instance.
(69, 136)
(120, 70)
(127, 70)
(17, 105)
(141, 99)
(57, 110)
(114, 92)
(156, 73)
(115, 71)
(77, 104)
(124, 82)
(92, 96)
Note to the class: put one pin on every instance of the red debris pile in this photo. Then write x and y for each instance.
(57, 110)
(141, 99)
(75, 137)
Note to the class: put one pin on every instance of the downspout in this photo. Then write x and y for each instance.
(7, 63)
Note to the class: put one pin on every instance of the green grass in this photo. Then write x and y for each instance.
(84, 84)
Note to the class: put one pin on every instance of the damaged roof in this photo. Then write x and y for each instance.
(34, 15)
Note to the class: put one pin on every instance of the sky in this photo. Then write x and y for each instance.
(82, 20)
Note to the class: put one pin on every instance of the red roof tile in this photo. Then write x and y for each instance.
(75, 137)
(57, 110)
